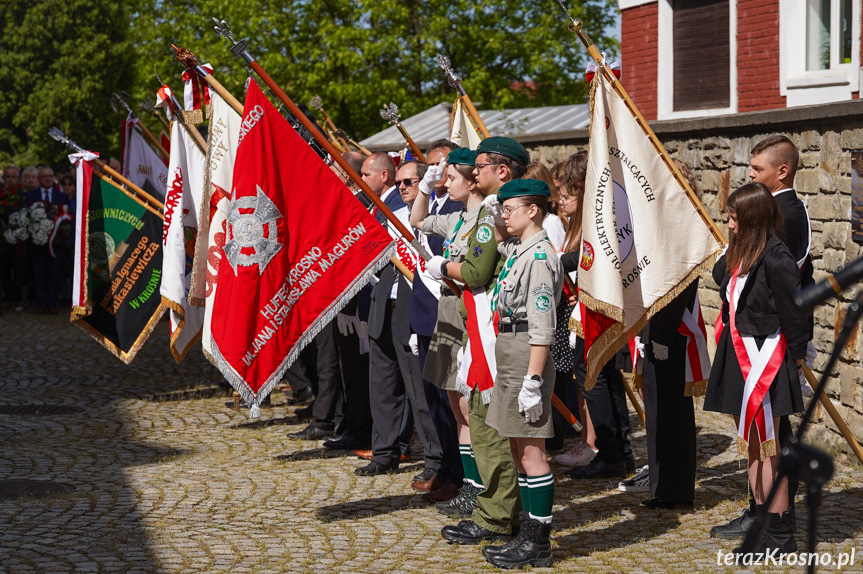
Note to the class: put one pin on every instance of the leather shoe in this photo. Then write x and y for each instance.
(369, 453)
(657, 503)
(446, 492)
(375, 468)
(469, 532)
(426, 474)
(304, 413)
(598, 469)
(737, 528)
(428, 485)
(302, 397)
(345, 442)
(312, 432)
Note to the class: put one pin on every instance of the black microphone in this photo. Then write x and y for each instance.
(830, 287)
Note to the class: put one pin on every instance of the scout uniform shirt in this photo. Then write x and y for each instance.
(470, 240)
(529, 286)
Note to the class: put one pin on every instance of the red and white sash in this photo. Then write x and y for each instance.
(697, 358)
(759, 368)
(477, 367)
(196, 92)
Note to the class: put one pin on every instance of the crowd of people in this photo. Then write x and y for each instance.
(474, 372)
(36, 262)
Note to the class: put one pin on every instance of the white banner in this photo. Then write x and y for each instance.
(462, 131)
(142, 165)
(186, 172)
(643, 240)
(221, 152)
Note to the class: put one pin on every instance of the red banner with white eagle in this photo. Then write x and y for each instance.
(298, 246)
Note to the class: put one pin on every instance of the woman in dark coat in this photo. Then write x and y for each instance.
(755, 374)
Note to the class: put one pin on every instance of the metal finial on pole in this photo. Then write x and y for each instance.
(190, 60)
(455, 81)
(390, 112)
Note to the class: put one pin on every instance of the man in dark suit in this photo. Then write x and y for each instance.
(444, 484)
(46, 268)
(394, 370)
(774, 163)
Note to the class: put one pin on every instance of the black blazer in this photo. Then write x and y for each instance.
(796, 232)
(380, 302)
(662, 327)
(767, 301)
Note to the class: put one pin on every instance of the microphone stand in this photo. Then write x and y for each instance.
(802, 461)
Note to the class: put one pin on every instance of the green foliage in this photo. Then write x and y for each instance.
(356, 54)
(61, 60)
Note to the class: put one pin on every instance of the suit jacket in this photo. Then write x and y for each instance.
(386, 278)
(662, 327)
(796, 232)
(767, 300)
(423, 314)
(57, 196)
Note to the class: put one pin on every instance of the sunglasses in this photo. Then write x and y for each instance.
(407, 182)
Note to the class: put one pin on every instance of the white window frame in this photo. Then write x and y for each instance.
(624, 4)
(807, 87)
(665, 71)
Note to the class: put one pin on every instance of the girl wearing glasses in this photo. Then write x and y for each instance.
(525, 296)
(470, 257)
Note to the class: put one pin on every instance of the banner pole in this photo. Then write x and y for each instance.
(390, 113)
(241, 49)
(577, 26)
(120, 98)
(335, 136)
(455, 81)
(834, 414)
(178, 113)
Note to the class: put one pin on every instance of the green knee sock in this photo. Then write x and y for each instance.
(524, 491)
(468, 462)
(541, 494)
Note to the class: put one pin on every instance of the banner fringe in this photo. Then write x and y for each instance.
(239, 384)
(177, 308)
(126, 357)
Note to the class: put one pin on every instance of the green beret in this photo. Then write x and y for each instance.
(521, 187)
(461, 156)
(506, 147)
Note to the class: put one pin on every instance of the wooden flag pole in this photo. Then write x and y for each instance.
(120, 98)
(241, 49)
(390, 113)
(332, 130)
(363, 150)
(131, 195)
(834, 414)
(576, 25)
(178, 113)
(633, 399)
(152, 139)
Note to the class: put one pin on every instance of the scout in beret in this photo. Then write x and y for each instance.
(525, 296)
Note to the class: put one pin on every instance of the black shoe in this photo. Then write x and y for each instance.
(302, 397)
(658, 504)
(518, 536)
(345, 442)
(375, 468)
(425, 475)
(737, 528)
(468, 532)
(534, 548)
(598, 469)
(304, 413)
(463, 505)
(779, 535)
(312, 432)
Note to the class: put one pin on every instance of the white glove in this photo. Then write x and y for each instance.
(530, 399)
(805, 389)
(363, 332)
(811, 354)
(345, 323)
(660, 352)
(414, 345)
(639, 347)
(433, 175)
(433, 266)
(492, 206)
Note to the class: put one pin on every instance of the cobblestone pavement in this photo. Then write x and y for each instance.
(166, 485)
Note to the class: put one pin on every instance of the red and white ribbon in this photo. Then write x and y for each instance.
(477, 367)
(163, 100)
(196, 92)
(759, 368)
(697, 358)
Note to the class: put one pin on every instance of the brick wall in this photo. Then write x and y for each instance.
(758, 55)
(718, 151)
(640, 56)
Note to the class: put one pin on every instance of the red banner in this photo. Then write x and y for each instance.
(298, 246)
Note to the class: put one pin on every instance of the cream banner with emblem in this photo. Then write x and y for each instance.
(643, 240)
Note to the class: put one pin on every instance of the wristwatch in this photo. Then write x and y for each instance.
(443, 268)
(536, 378)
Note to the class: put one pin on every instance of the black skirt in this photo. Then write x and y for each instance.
(726, 384)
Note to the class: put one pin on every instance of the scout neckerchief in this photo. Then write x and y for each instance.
(501, 279)
(759, 368)
(454, 233)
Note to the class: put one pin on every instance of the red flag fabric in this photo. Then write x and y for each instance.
(298, 246)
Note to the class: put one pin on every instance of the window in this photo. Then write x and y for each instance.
(819, 45)
(822, 53)
(701, 55)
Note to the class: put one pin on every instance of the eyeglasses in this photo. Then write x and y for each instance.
(406, 182)
(507, 211)
(482, 166)
(566, 198)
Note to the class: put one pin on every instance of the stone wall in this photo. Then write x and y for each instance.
(717, 149)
